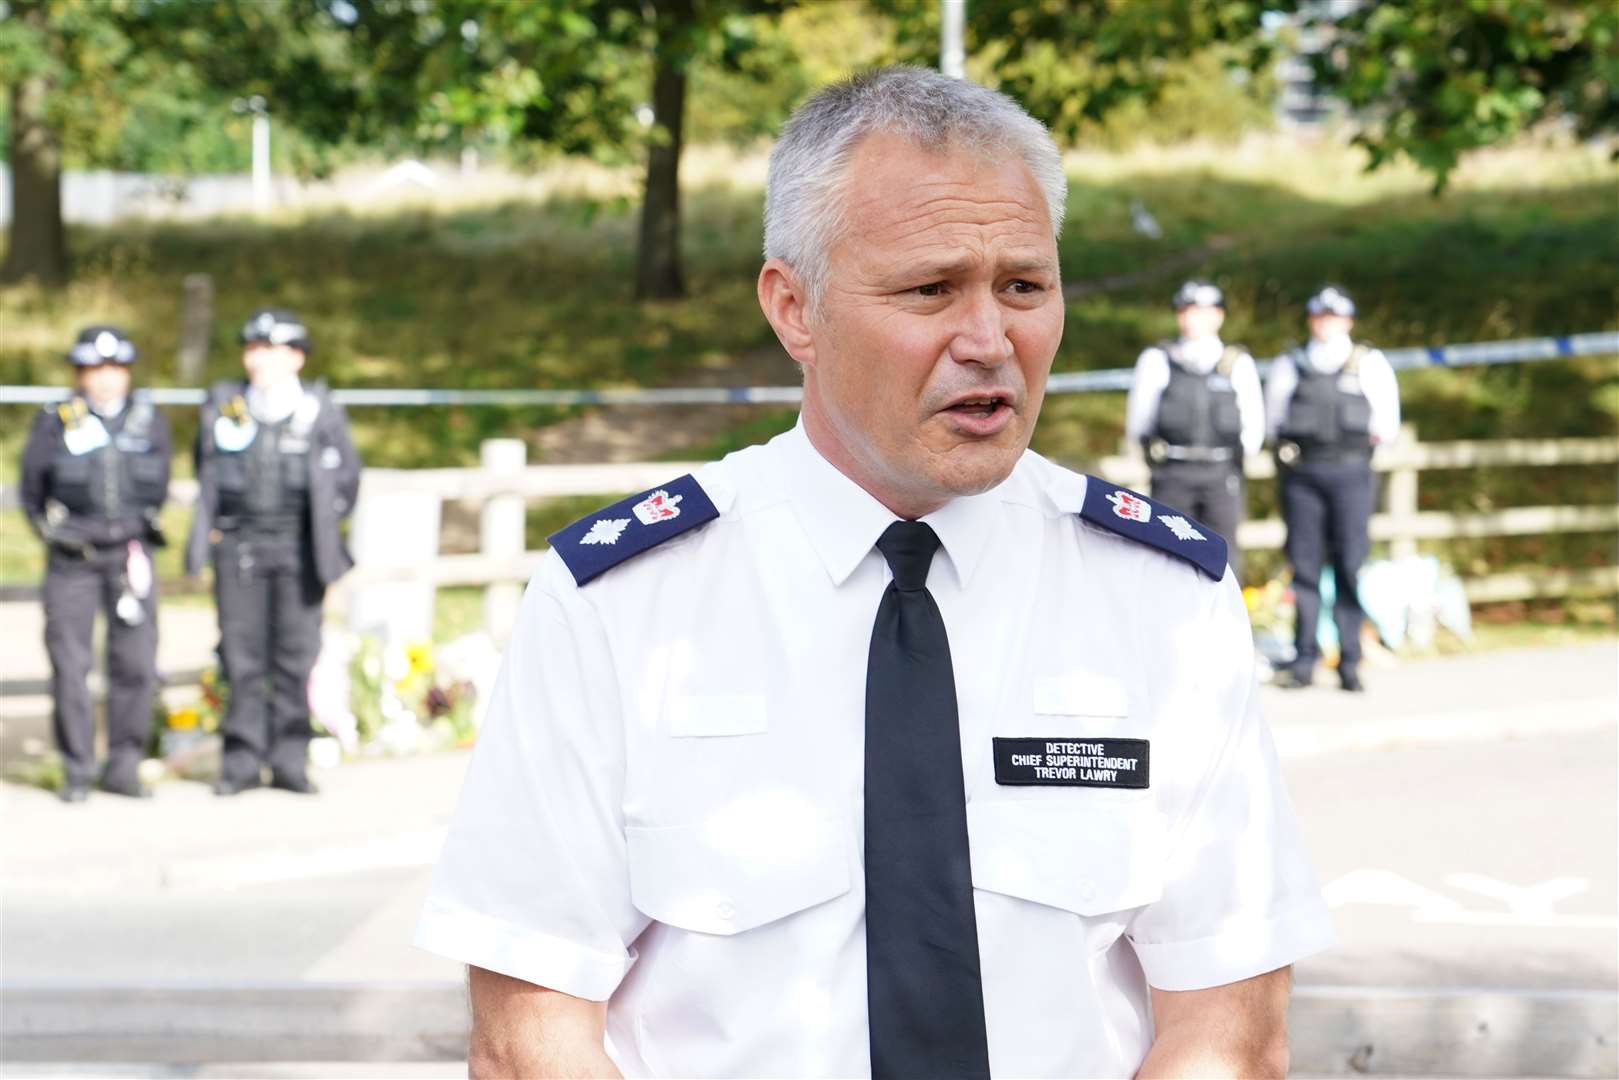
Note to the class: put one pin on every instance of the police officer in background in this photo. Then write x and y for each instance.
(95, 473)
(1327, 405)
(1195, 407)
(277, 474)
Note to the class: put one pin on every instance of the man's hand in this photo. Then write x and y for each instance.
(1236, 1030)
(523, 1030)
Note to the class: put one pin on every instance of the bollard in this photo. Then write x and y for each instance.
(500, 531)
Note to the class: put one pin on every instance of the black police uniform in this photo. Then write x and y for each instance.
(1324, 462)
(1194, 449)
(271, 499)
(91, 484)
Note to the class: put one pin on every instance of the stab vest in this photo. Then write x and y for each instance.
(116, 482)
(1329, 415)
(1200, 410)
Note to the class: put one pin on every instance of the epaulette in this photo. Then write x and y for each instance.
(1230, 356)
(72, 412)
(235, 409)
(1136, 517)
(595, 544)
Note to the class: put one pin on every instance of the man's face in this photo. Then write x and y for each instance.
(1200, 321)
(103, 383)
(943, 308)
(1325, 327)
(268, 365)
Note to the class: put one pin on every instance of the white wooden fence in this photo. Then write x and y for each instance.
(505, 485)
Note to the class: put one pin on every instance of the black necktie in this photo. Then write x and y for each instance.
(925, 999)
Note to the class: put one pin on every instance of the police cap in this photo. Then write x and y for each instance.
(101, 345)
(277, 326)
(1331, 300)
(1199, 294)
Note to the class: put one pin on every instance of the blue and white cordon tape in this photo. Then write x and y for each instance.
(1070, 382)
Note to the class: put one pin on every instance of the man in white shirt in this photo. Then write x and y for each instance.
(1326, 406)
(1195, 408)
(887, 748)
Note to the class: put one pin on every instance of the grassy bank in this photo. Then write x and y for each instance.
(537, 294)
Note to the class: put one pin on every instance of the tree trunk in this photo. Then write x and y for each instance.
(658, 274)
(38, 247)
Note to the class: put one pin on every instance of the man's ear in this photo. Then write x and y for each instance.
(785, 302)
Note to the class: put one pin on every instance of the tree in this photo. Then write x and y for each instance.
(83, 77)
(581, 77)
(1437, 78)
(69, 70)
(1073, 62)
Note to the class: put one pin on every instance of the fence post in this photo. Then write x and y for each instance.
(196, 322)
(1402, 495)
(394, 527)
(500, 532)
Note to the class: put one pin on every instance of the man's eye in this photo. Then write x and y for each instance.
(933, 289)
(1023, 286)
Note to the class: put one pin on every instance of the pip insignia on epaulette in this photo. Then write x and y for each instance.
(597, 543)
(1136, 517)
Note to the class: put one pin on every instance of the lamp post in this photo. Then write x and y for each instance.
(257, 106)
(952, 49)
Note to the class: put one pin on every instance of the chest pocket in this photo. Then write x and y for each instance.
(738, 873)
(70, 478)
(147, 472)
(1079, 854)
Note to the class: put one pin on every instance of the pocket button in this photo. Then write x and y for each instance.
(725, 910)
(1087, 892)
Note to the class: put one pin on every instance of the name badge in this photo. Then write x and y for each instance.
(1070, 762)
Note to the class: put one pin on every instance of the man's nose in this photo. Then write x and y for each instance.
(980, 336)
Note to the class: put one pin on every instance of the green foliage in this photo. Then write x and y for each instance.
(1072, 63)
(1443, 77)
(537, 295)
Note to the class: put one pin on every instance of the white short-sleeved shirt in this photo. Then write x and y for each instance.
(665, 807)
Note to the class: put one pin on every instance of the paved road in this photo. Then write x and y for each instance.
(1462, 816)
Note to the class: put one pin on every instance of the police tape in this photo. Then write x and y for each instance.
(1604, 343)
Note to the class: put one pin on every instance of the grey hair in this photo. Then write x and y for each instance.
(804, 213)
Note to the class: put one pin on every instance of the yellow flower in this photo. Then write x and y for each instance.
(184, 719)
(420, 658)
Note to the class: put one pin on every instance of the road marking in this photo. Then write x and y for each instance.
(1307, 739)
(404, 851)
(1527, 906)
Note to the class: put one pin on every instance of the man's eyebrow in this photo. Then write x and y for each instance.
(937, 269)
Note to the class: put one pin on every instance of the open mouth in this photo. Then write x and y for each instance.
(979, 407)
(980, 416)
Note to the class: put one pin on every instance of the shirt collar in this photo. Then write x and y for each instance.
(1201, 354)
(274, 404)
(1329, 355)
(843, 521)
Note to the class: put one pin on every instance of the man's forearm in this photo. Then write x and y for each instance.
(523, 1030)
(1204, 1054)
(1236, 1030)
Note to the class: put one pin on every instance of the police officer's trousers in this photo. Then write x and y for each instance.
(1327, 506)
(1213, 493)
(75, 589)
(269, 637)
